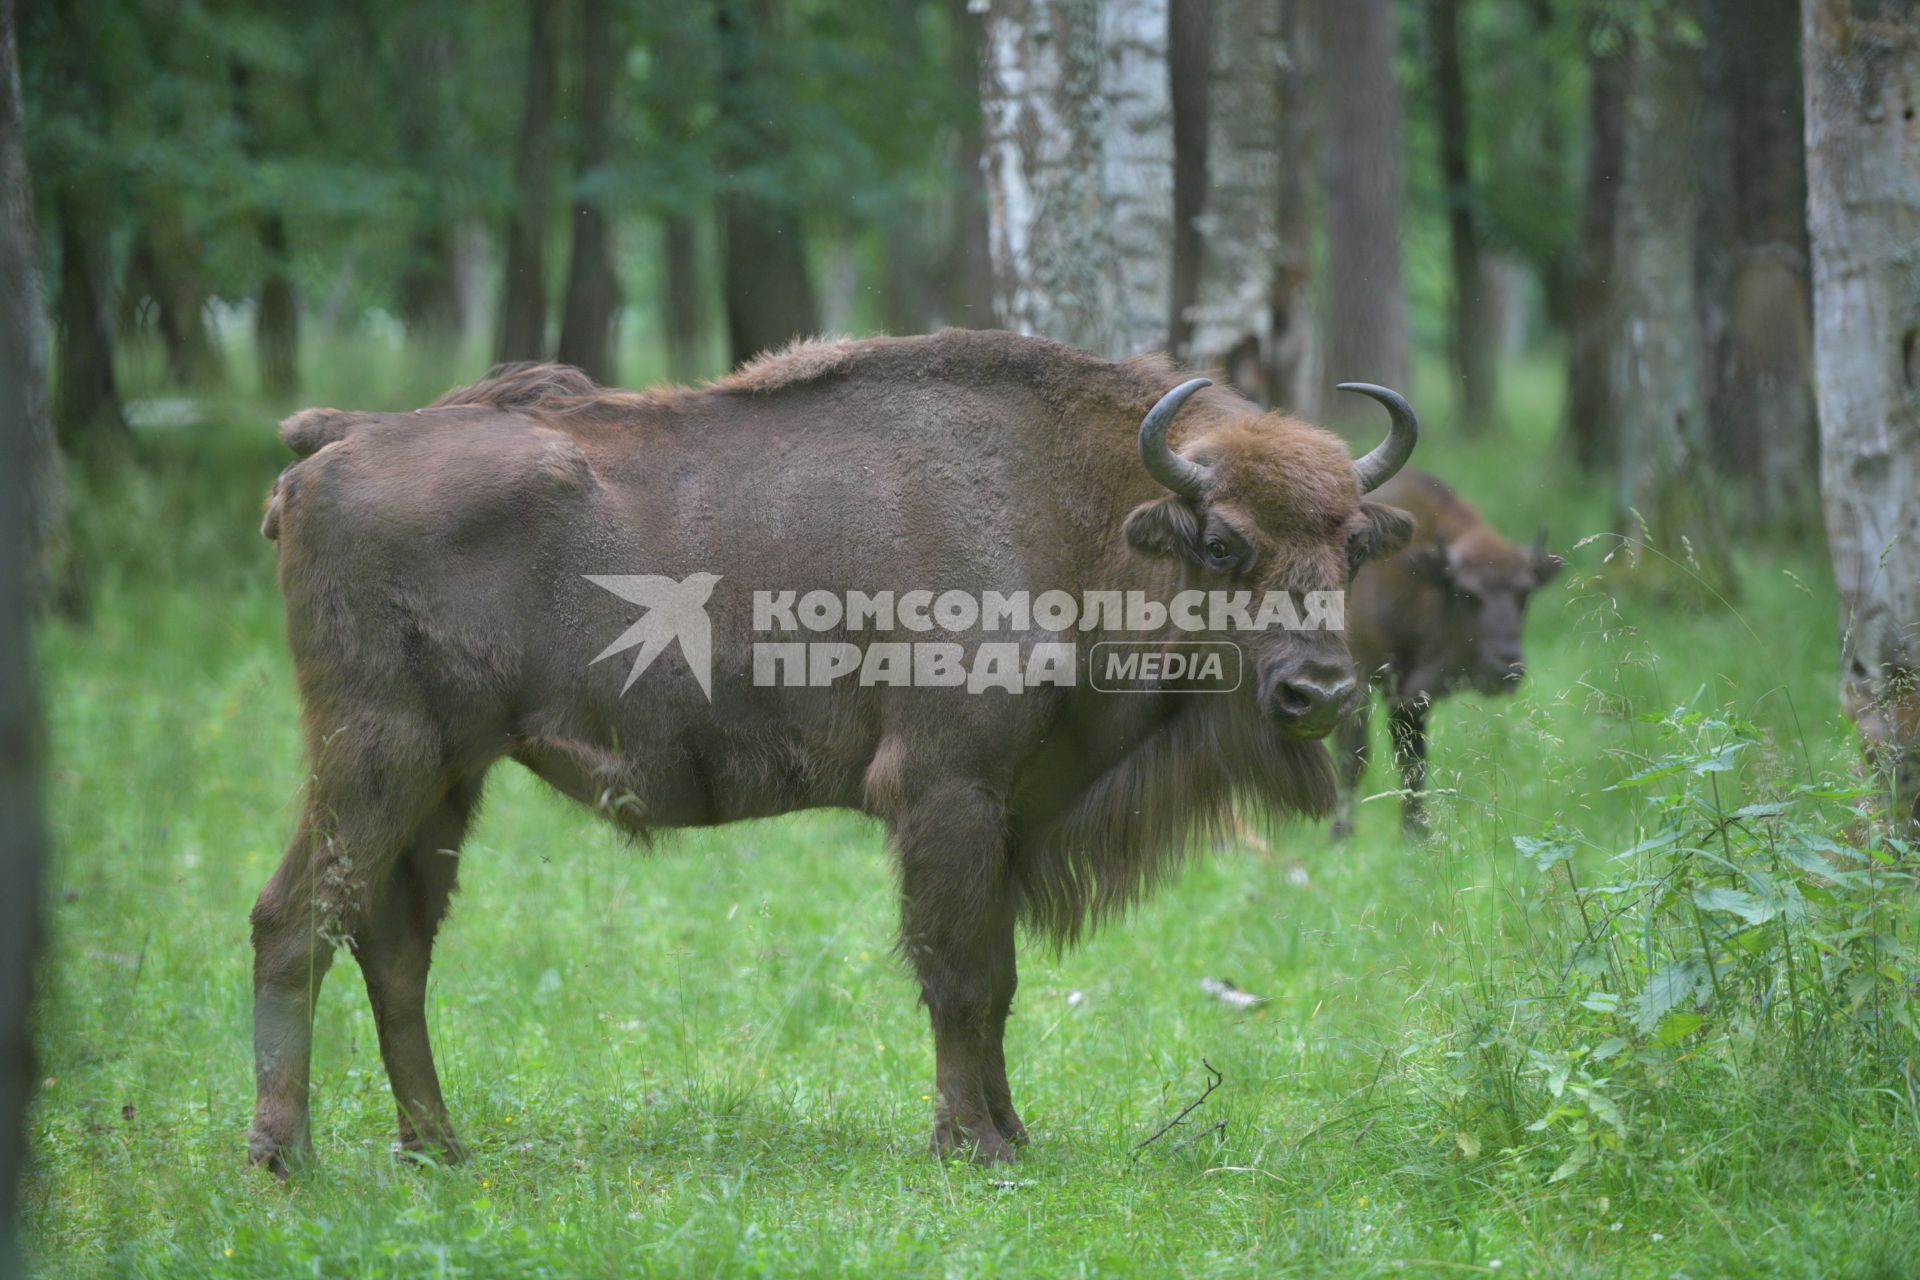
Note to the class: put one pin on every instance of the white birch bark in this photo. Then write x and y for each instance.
(1079, 156)
(1863, 197)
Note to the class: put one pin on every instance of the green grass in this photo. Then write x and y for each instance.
(703, 1059)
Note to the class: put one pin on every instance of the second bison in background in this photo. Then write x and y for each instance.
(1446, 612)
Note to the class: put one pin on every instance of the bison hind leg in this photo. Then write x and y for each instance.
(376, 782)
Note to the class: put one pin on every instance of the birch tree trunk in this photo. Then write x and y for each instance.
(1079, 150)
(1366, 299)
(1863, 187)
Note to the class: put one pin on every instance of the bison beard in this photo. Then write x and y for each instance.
(432, 566)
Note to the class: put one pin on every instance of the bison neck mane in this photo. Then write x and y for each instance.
(1176, 791)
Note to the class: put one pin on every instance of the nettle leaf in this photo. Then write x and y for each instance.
(1608, 1048)
(1678, 1025)
(1546, 851)
(1720, 761)
(1771, 809)
(1681, 982)
(1749, 907)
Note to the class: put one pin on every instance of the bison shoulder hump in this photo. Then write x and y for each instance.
(311, 430)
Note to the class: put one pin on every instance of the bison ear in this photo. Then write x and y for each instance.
(1169, 527)
(1546, 565)
(1430, 562)
(1388, 529)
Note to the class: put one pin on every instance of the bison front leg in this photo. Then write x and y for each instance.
(957, 929)
(1350, 750)
(1408, 726)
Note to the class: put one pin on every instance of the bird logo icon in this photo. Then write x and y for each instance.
(674, 611)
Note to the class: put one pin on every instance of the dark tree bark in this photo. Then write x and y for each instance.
(769, 295)
(276, 326)
(163, 270)
(523, 295)
(429, 296)
(25, 453)
(1653, 339)
(1366, 298)
(1293, 381)
(1472, 338)
(684, 300)
(969, 271)
(1189, 79)
(23, 314)
(592, 307)
(1863, 179)
(87, 395)
(1590, 421)
(1760, 407)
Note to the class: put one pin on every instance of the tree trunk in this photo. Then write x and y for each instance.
(163, 269)
(1189, 80)
(29, 491)
(24, 342)
(1661, 492)
(592, 307)
(87, 396)
(1366, 299)
(907, 288)
(1293, 378)
(1760, 409)
(769, 295)
(523, 295)
(276, 326)
(684, 301)
(1590, 420)
(1080, 166)
(969, 270)
(1863, 179)
(1473, 340)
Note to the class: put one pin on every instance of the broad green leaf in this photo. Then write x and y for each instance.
(1678, 983)
(1749, 907)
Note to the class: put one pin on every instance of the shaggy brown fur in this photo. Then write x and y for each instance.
(435, 571)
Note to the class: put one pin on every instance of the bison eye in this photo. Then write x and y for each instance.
(1219, 553)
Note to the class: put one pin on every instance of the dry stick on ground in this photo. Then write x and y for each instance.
(1214, 1082)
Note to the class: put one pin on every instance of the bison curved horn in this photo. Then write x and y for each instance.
(1184, 477)
(1391, 454)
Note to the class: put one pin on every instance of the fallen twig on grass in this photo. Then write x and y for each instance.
(1214, 1081)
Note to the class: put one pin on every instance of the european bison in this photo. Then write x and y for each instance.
(1444, 613)
(435, 569)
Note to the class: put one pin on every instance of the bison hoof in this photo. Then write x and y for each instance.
(447, 1151)
(280, 1158)
(950, 1140)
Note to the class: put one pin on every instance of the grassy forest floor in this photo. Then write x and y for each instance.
(1489, 1053)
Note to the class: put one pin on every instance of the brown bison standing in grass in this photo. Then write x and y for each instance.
(1443, 614)
(435, 572)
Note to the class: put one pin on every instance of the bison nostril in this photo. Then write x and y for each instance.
(1291, 699)
(1302, 698)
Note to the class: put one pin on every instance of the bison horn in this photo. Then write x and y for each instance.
(1391, 454)
(1184, 477)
